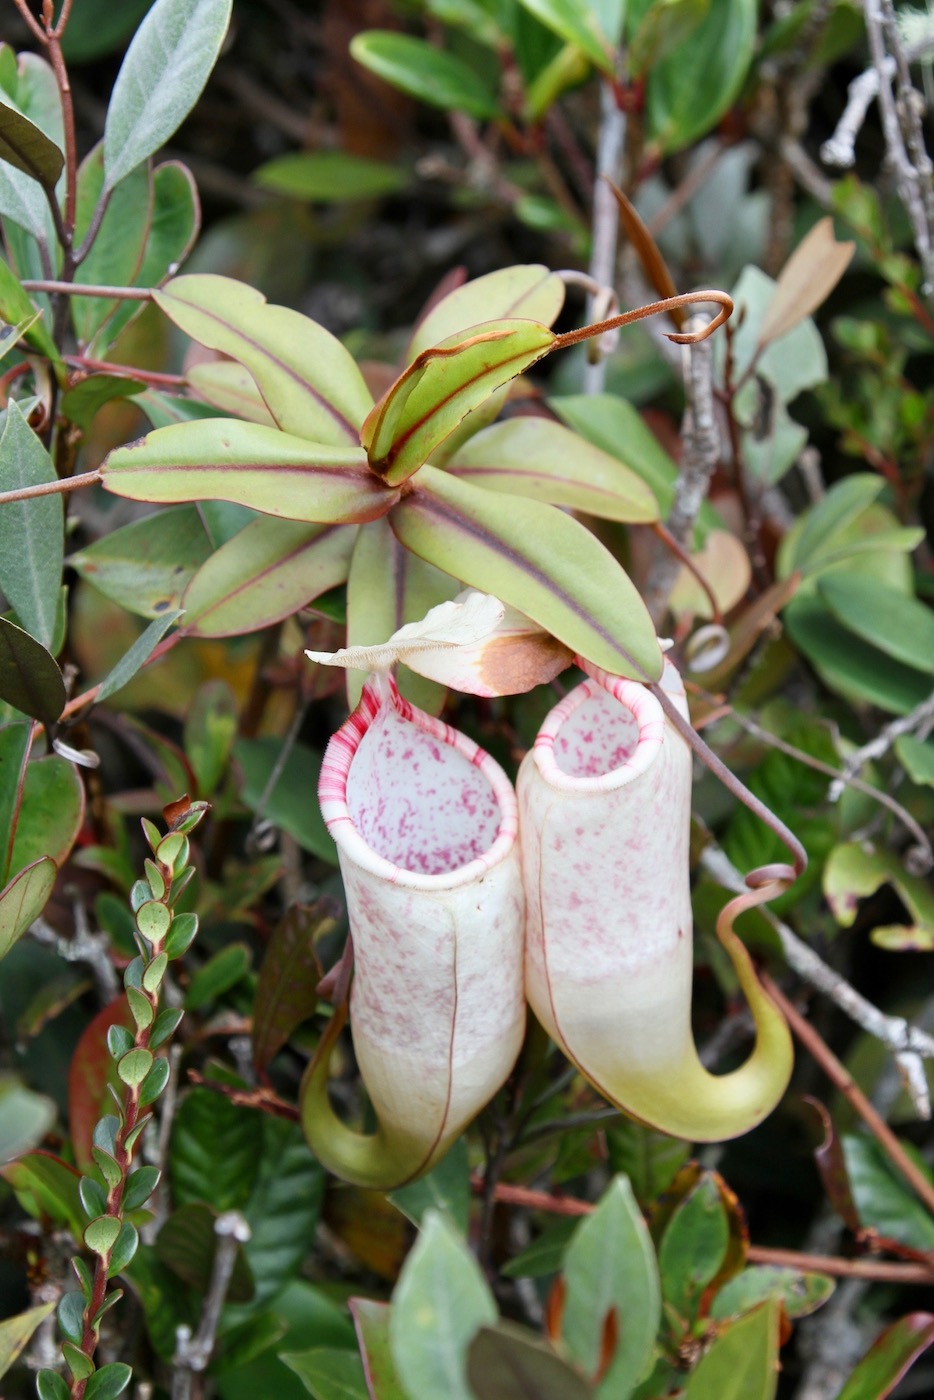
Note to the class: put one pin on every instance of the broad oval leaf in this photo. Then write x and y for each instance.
(32, 539)
(51, 812)
(889, 1358)
(309, 381)
(696, 83)
(146, 566)
(23, 900)
(800, 1294)
(693, 1246)
(439, 78)
(899, 626)
(214, 1152)
(30, 680)
(441, 386)
(283, 1207)
(528, 289)
(509, 1363)
(851, 666)
(537, 559)
(576, 24)
(27, 148)
(544, 461)
(610, 1267)
(161, 79)
(328, 1373)
(266, 572)
(221, 459)
(742, 1364)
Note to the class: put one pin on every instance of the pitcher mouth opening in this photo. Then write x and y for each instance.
(601, 736)
(413, 800)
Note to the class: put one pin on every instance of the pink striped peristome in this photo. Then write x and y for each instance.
(425, 824)
(605, 810)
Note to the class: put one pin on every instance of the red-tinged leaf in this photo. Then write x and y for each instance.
(371, 1319)
(310, 383)
(889, 1358)
(441, 386)
(23, 900)
(92, 1069)
(266, 572)
(528, 290)
(650, 255)
(544, 461)
(832, 1167)
(231, 388)
(286, 993)
(537, 559)
(222, 459)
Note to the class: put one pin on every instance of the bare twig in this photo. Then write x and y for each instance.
(604, 226)
(192, 1353)
(919, 721)
(907, 1043)
(86, 947)
(87, 289)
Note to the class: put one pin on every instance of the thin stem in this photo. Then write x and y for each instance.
(86, 289)
(51, 488)
(725, 302)
(94, 226)
(840, 1076)
(193, 1353)
(170, 381)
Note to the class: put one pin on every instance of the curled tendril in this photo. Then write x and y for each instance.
(654, 308)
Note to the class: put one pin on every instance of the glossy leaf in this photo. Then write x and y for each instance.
(161, 79)
(287, 804)
(800, 1294)
(310, 383)
(897, 625)
(286, 992)
(80, 404)
(136, 657)
(27, 148)
(693, 1247)
(690, 90)
(283, 1208)
(187, 1244)
(576, 23)
(330, 177)
(30, 680)
(884, 1200)
(15, 1333)
(538, 560)
(889, 1357)
(109, 1381)
(51, 812)
(221, 459)
(371, 1319)
(610, 1267)
(441, 79)
(92, 1070)
(742, 1363)
(528, 290)
(329, 1374)
(544, 461)
(266, 572)
(214, 1151)
(441, 386)
(145, 566)
(117, 251)
(661, 29)
(509, 1363)
(31, 532)
(438, 1305)
(51, 1386)
(23, 900)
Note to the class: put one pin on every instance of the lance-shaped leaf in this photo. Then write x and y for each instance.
(529, 290)
(23, 900)
(539, 560)
(220, 459)
(545, 461)
(266, 572)
(889, 1358)
(441, 386)
(371, 1319)
(310, 383)
(27, 148)
(32, 539)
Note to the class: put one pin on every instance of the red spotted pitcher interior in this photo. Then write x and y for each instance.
(598, 736)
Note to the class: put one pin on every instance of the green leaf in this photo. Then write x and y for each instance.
(509, 1363)
(441, 79)
(650, 1159)
(17, 307)
(145, 566)
(15, 1333)
(742, 1364)
(287, 805)
(80, 404)
(161, 79)
(822, 527)
(850, 666)
(899, 626)
(265, 573)
(800, 1294)
(283, 1208)
(23, 900)
(286, 992)
(27, 148)
(135, 659)
(101, 1235)
(25, 1118)
(221, 972)
(662, 27)
(441, 386)
(270, 471)
(70, 1316)
(698, 81)
(109, 1382)
(884, 1201)
(439, 1302)
(51, 1386)
(576, 23)
(231, 389)
(445, 1189)
(47, 1187)
(917, 757)
(214, 1152)
(330, 177)
(187, 1244)
(537, 559)
(371, 1320)
(310, 383)
(544, 461)
(97, 27)
(544, 1255)
(693, 1247)
(889, 1357)
(31, 532)
(116, 254)
(329, 1374)
(856, 870)
(50, 818)
(210, 730)
(30, 680)
(610, 1267)
(32, 89)
(140, 1186)
(528, 290)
